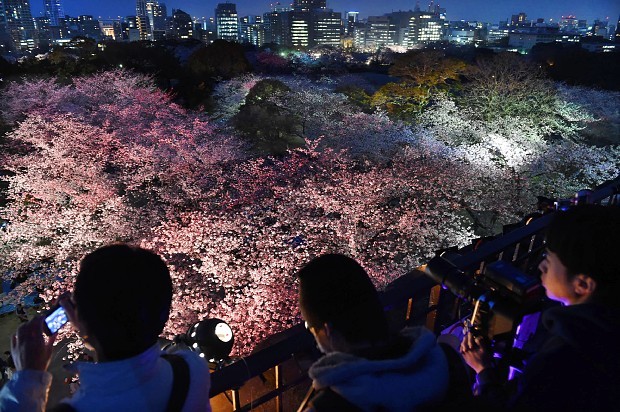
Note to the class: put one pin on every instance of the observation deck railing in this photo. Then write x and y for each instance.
(412, 298)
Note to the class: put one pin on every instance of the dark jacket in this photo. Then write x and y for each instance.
(576, 369)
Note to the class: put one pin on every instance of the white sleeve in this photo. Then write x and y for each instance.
(26, 391)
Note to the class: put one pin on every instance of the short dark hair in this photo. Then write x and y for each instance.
(585, 239)
(123, 296)
(335, 289)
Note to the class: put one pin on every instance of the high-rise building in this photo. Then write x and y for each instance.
(309, 5)
(569, 23)
(425, 27)
(155, 14)
(227, 22)
(599, 28)
(137, 28)
(89, 27)
(379, 32)
(20, 24)
(277, 26)
(352, 18)
(251, 30)
(158, 15)
(181, 26)
(54, 12)
(617, 34)
(300, 27)
(497, 33)
(111, 29)
(326, 28)
(400, 25)
(5, 39)
(308, 24)
(141, 7)
(519, 20)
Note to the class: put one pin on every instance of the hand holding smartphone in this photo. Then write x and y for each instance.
(55, 319)
(57, 316)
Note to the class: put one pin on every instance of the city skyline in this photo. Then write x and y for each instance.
(481, 10)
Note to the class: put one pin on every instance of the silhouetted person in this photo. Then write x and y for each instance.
(122, 299)
(364, 367)
(21, 313)
(578, 367)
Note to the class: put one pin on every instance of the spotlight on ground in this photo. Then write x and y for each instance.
(212, 338)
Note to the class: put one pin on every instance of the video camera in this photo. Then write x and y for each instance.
(504, 305)
(499, 296)
(503, 288)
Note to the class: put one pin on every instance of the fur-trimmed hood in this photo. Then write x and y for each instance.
(420, 377)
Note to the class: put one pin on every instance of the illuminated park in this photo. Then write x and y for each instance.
(282, 168)
(309, 206)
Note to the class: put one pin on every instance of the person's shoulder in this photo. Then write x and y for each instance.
(200, 380)
(193, 359)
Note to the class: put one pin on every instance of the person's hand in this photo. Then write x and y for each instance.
(476, 353)
(66, 301)
(31, 348)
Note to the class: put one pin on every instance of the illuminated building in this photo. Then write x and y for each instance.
(251, 30)
(227, 22)
(426, 26)
(326, 28)
(19, 23)
(54, 12)
(181, 26)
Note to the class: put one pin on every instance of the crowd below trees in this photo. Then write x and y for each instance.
(280, 166)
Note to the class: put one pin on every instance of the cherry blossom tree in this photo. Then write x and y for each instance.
(110, 158)
(239, 264)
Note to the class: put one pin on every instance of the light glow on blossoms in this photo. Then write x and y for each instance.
(110, 158)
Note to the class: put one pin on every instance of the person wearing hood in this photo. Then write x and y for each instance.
(578, 366)
(364, 366)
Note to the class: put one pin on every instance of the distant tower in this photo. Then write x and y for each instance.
(352, 19)
(141, 7)
(227, 22)
(54, 12)
(309, 5)
(155, 15)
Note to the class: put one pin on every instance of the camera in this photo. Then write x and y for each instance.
(499, 289)
(55, 318)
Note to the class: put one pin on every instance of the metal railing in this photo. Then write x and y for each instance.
(414, 296)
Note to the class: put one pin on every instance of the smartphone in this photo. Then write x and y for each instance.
(55, 319)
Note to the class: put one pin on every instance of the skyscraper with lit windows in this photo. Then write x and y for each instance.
(155, 14)
(54, 12)
(19, 23)
(227, 21)
(141, 7)
(425, 26)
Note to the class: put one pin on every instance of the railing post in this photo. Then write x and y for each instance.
(278, 372)
(409, 309)
(236, 399)
(433, 300)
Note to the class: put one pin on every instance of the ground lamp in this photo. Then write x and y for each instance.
(212, 338)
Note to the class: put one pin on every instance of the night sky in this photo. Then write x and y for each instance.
(484, 10)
